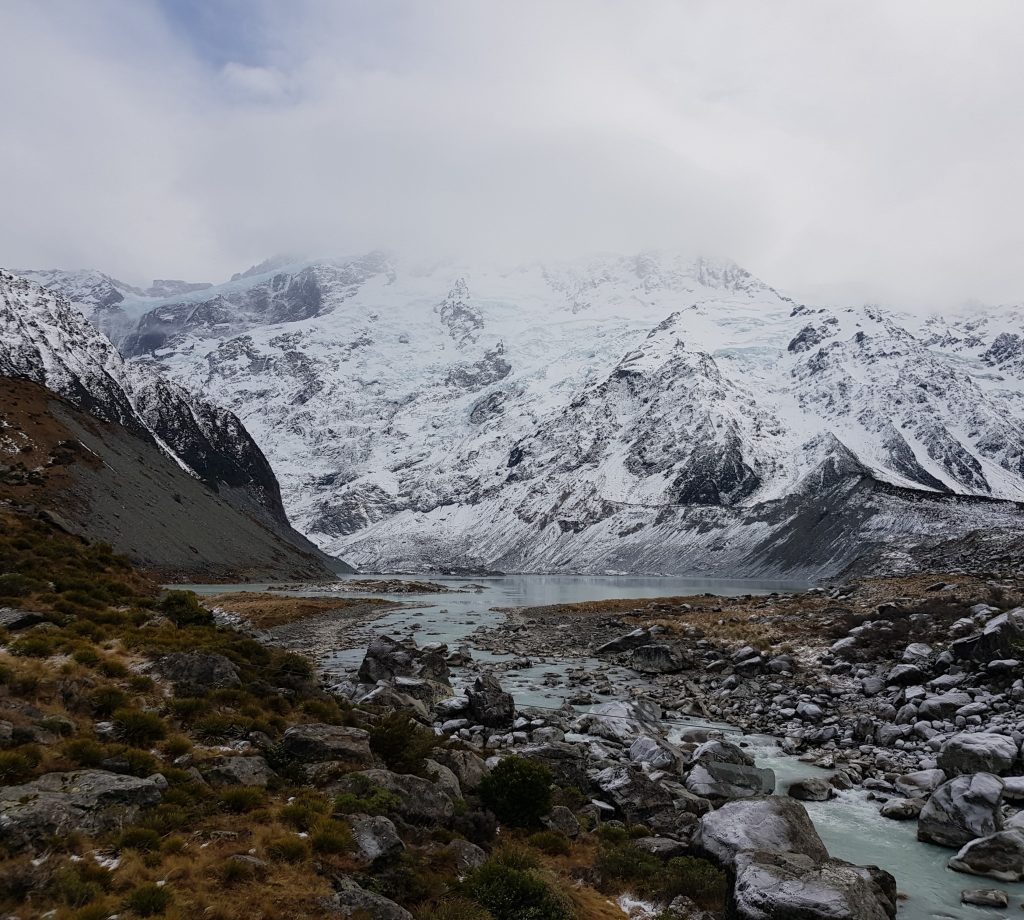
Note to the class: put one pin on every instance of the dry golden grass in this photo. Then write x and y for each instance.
(265, 611)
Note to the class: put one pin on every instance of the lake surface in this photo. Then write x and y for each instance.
(849, 825)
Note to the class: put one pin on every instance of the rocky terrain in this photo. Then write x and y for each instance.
(650, 413)
(122, 455)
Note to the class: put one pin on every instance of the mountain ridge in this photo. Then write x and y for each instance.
(542, 417)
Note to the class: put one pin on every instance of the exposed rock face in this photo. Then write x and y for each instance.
(197, 673)
(813, 789)
(322, 743)
(961, 809)
(92, 801)
(636, 797)
(353, 901)
(999, 856)
(980, 752)
(788, 886)
(387, 659)
(657, 658)
(771, 823)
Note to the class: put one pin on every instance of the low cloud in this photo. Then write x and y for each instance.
(841, 151)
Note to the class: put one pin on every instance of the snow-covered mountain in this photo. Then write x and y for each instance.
(646, 413)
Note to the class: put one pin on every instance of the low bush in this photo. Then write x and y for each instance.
(138, 727)
(150, 900)
(288, 849)
(143, 839)
(331, 838)
(518, 791)
(17, 766)
(402, 743)
(239, 799)
(457, 909)
(515, 894)
(182, 608)
(552, 843)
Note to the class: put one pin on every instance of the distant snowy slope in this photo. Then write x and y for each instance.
(637, 413)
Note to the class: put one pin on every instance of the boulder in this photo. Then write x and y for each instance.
(656, 753)
(562, 819)
(793, 886)
(920, 783)
(997, 640)
(979, 752)
(14, 618)
(319, 742)
(468, 856)
(961, 809)
(812, 789)
(902, 809)
(237, 771)
(942, 707)
(622, 721)
(387, 659)
(352, 901)
(715, 779)
(567, 762)
(625, 643)
(657, 658)
(489, 704)
(91, 801)
(469, 769)
(637, 798)
(772, 823)
(444, 779)
(375, 837)
(985, 897)
(420, 801)
(999, 856)
(196, 673)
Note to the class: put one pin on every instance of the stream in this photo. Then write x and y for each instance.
(849, 824)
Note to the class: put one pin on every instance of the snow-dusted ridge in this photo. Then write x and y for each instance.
(631, 413)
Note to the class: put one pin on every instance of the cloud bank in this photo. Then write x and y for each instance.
(849, 151)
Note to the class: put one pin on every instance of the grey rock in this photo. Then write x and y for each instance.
(657, 658)
(662, 847)
(713, 779)
(319, 742)
(375, 837)
(468, 856)
(353, 901)
(489, 704)
(420, 801)
(562, 819)
(787, 886)
(979, 752)
(654, 752)
(387, 659)
(920, 783)
(469, 769)
(985, 897)
(943, 706)
(961, 809)
(776, 824)
(902, 809)
(636, 797)
(14, 618)
(999, 856)
(625, 643)
(444, 778)
(622, 721)
(812, 789)
(91, 801)
(237, 771)
(196, 673)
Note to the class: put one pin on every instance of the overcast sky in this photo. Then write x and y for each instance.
(836, 149)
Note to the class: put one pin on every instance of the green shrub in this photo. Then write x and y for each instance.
(105, 700)
(177, 745)
(306, 811)
(14, 584)
(515, 894)
(552, 843)
(137, 727)
(402, 743)
(518, 791)
(236, 871)
(142, 839)
(84, 752)
(80, 884)
(18, 766)
(288, 849)
(457, 909)
(331, 837)
(366, 798)
(240, 799)
(87, 656)
(695, 878)
(150, 900)
(324, 711)
(95, 911)
(182, 608)
(38, 646)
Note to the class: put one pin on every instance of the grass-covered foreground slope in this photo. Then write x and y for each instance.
(153, 763)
